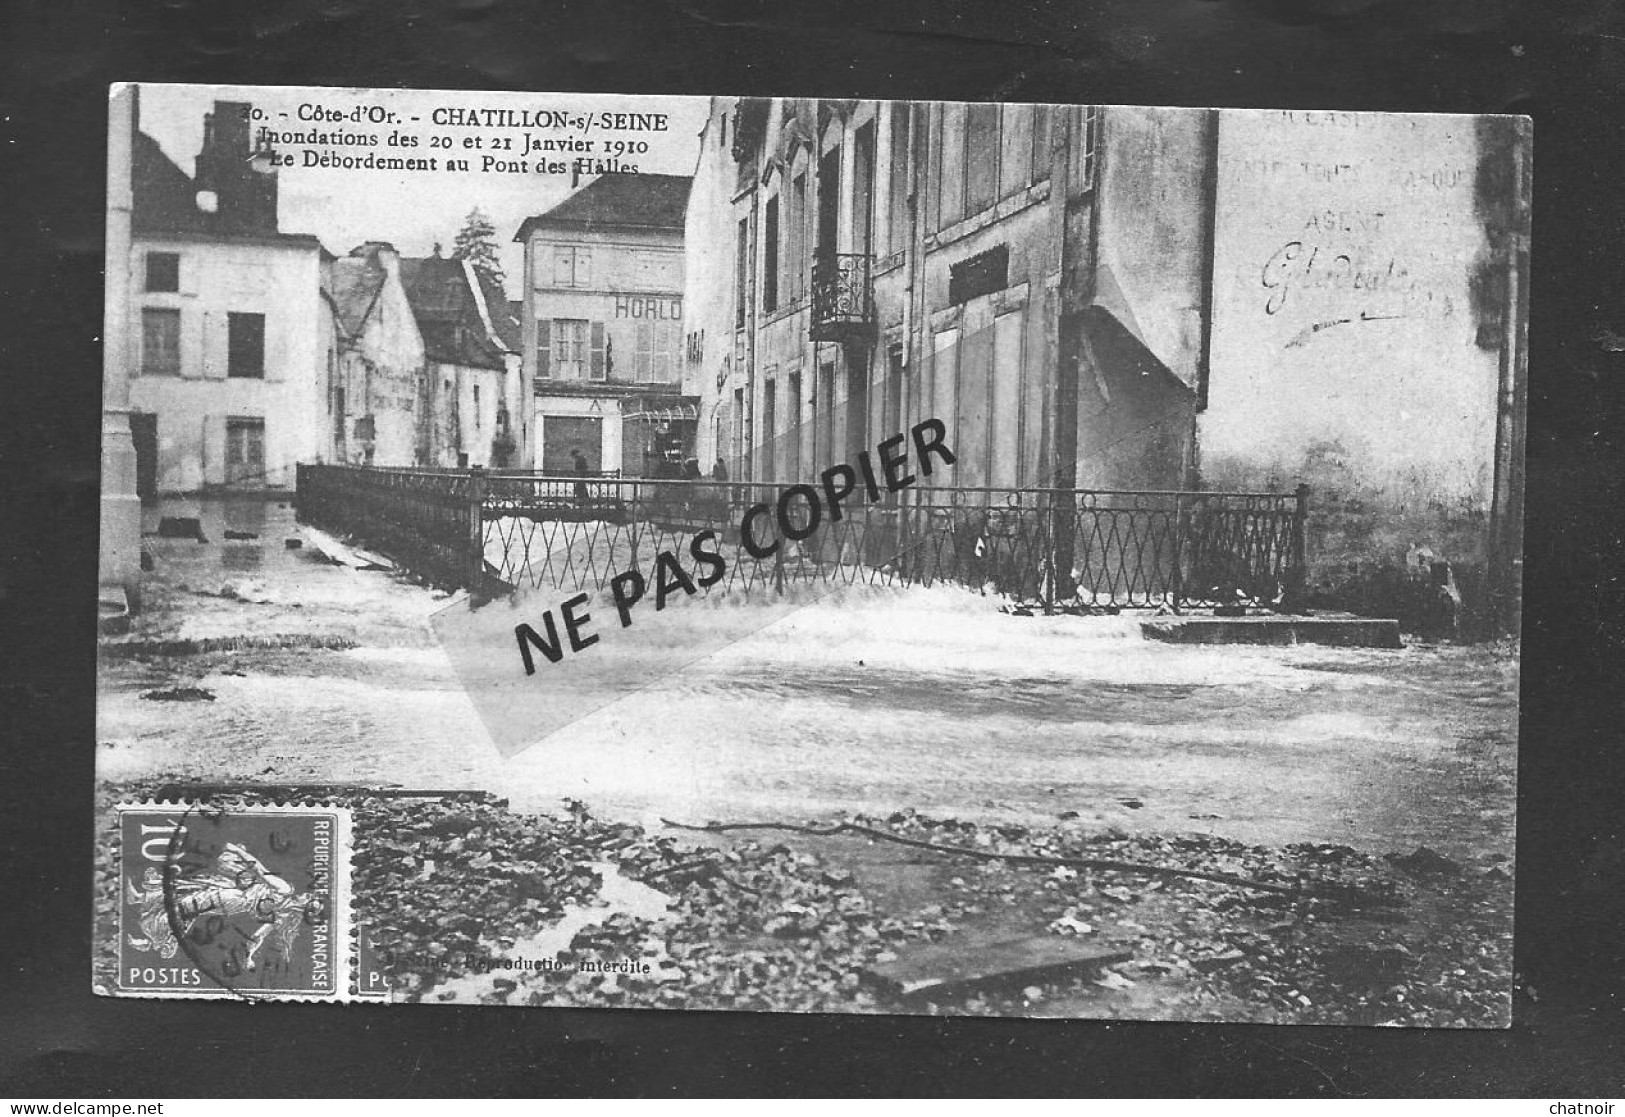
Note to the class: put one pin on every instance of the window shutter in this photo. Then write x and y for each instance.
(211, 346)
(270, 360)
(544, 348)
(213, 458)
(597, 370)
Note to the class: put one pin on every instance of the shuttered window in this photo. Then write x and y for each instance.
(163, 271)
(570, 348)
(160, 342)
(245, 345)
(599, 357)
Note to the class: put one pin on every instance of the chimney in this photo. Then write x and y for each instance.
(247, 197)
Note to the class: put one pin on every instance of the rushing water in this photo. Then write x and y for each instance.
(932, 699)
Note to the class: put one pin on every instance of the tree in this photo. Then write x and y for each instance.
(476, 243)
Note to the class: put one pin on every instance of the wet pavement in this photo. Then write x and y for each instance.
(931, 699)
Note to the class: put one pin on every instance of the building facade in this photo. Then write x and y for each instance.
(227, 368)
(602, 314)
(1120, 298)
(471, 352)
(376, 370)
(861, 266)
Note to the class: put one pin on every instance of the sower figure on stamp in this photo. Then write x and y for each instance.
(236, 884)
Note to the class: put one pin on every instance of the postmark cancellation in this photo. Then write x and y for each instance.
(241, 900)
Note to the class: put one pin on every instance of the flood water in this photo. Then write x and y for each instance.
(923, 698)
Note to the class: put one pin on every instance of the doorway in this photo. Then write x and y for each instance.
(245, 453)
(563, 433)
(144, 433)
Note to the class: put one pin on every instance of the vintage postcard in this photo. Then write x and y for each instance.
(811, 555)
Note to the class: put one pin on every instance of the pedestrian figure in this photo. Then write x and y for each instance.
(719, 474)
(581, 472)
(1441, 612)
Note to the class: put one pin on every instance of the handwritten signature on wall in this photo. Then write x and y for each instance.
(1300, 269)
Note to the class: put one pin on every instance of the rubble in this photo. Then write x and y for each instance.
(445, 883)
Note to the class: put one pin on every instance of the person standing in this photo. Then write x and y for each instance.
(581, 473)
(719, 488)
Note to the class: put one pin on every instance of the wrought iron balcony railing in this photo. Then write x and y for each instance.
(843, 297)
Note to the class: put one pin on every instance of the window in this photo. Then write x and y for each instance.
(572, 267)
(829, 202)
(770, 262)
(792, 455)
(824, 396)
(952, 166)
(160, 342)
(654, 352)
(163, 271)
(769, 419)
(1042, 115)
(863, 190)
(245, 345)
(600, 356)
(570, 352)
(985, 152)
(897, 205)
(565, 345)
(1085, 161)
(795, 241)
(477, 416)
(741, 265)
(245, 451)
(1015, 148)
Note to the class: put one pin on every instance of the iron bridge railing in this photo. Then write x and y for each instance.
(491, 531)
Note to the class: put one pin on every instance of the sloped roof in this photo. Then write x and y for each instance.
(164, 203)
(642, 201)
(163, 196)
(463, 322)
(504, 319)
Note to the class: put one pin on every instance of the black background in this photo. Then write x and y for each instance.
(1559, 61)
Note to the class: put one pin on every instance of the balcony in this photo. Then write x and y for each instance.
(843, 297)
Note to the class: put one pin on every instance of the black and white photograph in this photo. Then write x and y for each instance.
(792, 554)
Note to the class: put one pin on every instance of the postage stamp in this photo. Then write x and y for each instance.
(245, 901)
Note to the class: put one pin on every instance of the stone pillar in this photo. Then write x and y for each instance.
(120, 552)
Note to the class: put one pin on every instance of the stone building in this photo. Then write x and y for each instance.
(227, 365)
(471, 348)
(602, 311)
(1125, 298)
(377, 368)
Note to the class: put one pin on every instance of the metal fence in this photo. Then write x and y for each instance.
(493, 531)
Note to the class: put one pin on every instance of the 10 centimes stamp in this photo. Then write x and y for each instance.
(245, 900)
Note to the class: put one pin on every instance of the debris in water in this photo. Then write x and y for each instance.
(180, 694)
